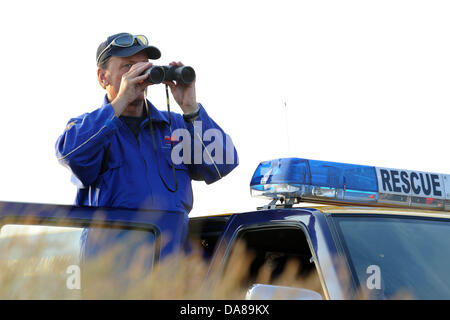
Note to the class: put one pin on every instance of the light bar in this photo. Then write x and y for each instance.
(289, 178)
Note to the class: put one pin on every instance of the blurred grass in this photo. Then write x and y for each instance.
(27, 272)
(182, 276)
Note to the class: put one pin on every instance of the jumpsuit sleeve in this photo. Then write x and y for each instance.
(83, 143)
(213, 152)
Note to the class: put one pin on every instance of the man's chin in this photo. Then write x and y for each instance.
(137, 103)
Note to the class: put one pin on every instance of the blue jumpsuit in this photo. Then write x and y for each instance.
(114, 168)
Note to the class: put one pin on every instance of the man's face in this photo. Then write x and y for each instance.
(117, 66)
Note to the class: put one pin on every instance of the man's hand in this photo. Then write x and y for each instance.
(184, 94)
(132, 87)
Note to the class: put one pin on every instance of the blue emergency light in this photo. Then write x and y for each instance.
(311, 180)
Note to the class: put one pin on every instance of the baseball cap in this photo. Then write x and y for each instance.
(106, 50)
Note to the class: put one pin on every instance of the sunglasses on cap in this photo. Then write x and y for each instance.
(125, 41)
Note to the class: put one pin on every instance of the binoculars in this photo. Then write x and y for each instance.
(158, 74)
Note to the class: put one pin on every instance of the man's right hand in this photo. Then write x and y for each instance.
(132, 87)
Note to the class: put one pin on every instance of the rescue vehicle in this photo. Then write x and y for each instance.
(386, 229)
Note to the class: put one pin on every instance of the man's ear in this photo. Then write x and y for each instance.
(101, 77)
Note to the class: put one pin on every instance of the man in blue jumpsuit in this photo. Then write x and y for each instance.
(120, 153)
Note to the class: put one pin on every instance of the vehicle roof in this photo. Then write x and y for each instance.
(355, 209)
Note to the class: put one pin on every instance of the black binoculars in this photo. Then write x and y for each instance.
(158, 74)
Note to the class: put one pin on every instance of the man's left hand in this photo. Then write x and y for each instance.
(184, 94)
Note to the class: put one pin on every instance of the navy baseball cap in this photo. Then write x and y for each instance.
(106, 50)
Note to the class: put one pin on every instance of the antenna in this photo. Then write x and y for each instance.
(287, 128)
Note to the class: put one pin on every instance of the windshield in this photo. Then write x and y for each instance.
(392, 255)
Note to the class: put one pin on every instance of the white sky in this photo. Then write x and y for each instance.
(365, 82)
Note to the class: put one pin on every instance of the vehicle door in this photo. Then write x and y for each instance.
(282, 247)
(41, 245)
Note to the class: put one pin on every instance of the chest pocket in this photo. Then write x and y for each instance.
(109, 161)
(173, 175)
(105, 160)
